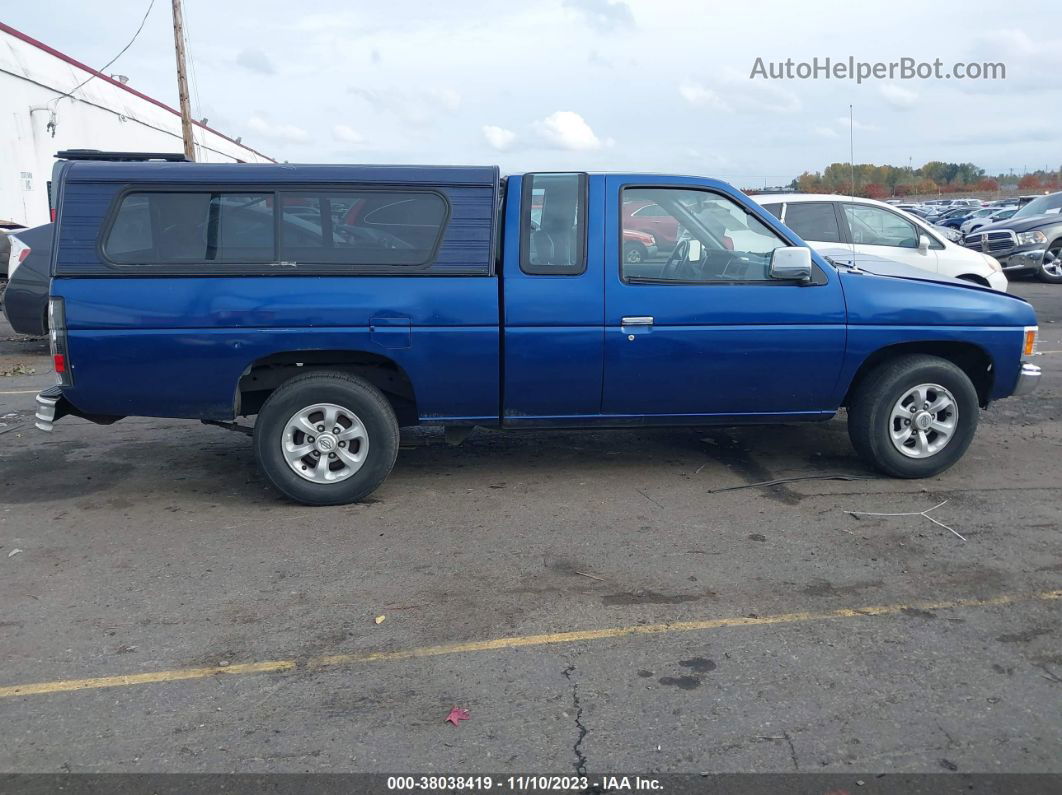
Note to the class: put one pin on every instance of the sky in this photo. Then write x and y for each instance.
(637, 85)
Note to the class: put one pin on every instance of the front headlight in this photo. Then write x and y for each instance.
(1031, 238)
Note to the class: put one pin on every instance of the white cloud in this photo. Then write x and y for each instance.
(734, 92)
(415, 107)
(827, 132)
(256, 61)
(287, 133)
(566, 129)
(702, 97)
(845, 122)
(447, 98)
(326, 22)
(498, 138)
(898, 96)
(603, 15)
(347, 135)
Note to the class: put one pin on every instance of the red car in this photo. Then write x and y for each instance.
(637, 246)
(651, 219)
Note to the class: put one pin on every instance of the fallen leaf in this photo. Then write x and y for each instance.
(13, 552)
(380, 619)
(458, 714)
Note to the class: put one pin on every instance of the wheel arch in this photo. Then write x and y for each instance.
(974, 278)
(262, 376)
(972, 359)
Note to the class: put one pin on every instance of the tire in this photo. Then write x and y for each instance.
(331, 478)
(873, 417)
(1052, 274)
(634, 253)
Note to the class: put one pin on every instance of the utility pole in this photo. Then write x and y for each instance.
(182, 82)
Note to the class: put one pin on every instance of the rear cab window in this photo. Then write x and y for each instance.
(553, 225)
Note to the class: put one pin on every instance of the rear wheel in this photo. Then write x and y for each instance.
(326, 438)
(1051, 272)
(913, 416)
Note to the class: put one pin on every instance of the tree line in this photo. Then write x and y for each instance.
(881, 182)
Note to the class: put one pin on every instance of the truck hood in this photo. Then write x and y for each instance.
(896, 295)
(1023, 224)
(880, 266)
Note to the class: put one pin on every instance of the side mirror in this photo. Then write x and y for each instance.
(792, 263)
(923, 244)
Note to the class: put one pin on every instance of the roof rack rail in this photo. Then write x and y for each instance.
(121, 157)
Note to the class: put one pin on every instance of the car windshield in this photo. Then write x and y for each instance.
(1044, 204)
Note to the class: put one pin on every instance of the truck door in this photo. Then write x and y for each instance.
(700, 330)
(553, 302)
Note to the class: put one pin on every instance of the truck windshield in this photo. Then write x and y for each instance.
(1044, 204)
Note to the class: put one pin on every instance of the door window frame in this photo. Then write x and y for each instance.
(818, 275)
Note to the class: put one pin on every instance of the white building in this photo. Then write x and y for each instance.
(38, 119)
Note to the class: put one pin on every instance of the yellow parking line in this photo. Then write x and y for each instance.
(22, 392)
(315, 663)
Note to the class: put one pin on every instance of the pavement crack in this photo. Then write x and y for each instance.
(577, 748)
(792, 750)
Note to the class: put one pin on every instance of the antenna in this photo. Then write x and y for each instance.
(851, 164)
(851, 146)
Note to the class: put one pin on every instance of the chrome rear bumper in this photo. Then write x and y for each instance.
(48, 410)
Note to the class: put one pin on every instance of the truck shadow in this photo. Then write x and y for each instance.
(192, 460)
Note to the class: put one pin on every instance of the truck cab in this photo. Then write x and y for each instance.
(334, 304)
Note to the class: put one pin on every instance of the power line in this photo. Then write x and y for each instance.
(121, 52)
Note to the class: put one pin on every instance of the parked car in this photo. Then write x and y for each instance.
(978, 221)
(638, 246)
(948, 233)
(26, 296)
(913, 209)
(1030, 241)
(956, 219)
(980, 212)
(5, 247)
(186, 290)
(874, 228)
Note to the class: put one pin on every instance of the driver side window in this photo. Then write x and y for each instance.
(685, 235)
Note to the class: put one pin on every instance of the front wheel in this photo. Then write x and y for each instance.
(326, 438)
(914, 416)
(1051, 272)
(635, 253)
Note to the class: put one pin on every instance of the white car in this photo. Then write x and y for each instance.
(976, 215)
(873, 228)
(997, 214)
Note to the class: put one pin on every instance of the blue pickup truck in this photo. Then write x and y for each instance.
(336, 303)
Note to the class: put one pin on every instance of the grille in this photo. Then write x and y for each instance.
(995, 242)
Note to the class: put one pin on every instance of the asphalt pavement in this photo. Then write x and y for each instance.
(595, 600)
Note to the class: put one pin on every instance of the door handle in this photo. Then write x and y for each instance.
(641, 320)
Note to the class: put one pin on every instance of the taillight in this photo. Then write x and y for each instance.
(57, 339)
(19, 252)
(52, 214)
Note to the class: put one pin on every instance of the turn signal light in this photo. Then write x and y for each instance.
(60, 363)
(1029, 348)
